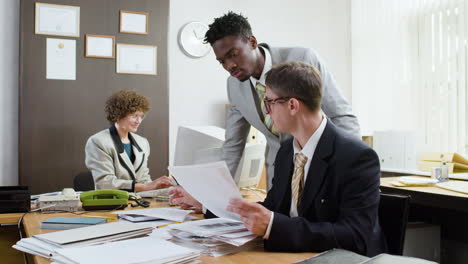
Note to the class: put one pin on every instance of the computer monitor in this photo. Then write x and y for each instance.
(198, 144)
(203, 144)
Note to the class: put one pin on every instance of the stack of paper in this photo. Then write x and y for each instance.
(46, 245)
(138, 250)
(219, 236)
(214, 237)
(171, 214)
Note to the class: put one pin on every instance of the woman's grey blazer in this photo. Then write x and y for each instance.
(109, 163)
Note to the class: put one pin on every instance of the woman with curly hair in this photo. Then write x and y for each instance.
(117, 157)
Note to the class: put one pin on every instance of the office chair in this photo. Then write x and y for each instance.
(393, 217)
(83, 181)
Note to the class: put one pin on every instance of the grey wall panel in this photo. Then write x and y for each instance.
(58, 116)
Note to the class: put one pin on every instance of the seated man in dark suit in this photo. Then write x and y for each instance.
(325, 191)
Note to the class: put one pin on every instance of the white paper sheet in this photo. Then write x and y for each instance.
(100, 47)
(37, 245)
(31, 250)
(133, 23)
(61, 59)
(211, 184)
(134, 59)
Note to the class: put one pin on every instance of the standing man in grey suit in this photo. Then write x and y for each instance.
(238, 52)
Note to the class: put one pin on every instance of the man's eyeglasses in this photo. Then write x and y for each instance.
(269, 102)
(136, 117)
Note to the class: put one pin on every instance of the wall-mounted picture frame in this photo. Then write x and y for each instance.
(136, 59)
(132, 22)
(57, 20)
(100, 46)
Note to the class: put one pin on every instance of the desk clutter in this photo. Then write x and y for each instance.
(92, 245)
(214, 237)
(106, 243)
(111, 242)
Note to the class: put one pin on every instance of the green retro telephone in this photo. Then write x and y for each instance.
(104, 199)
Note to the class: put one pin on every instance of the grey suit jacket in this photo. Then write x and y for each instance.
(245, 112)
(109, 163)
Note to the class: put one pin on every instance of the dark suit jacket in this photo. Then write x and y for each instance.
(339, 206)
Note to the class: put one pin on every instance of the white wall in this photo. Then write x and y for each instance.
(9, 46)
(197, 87)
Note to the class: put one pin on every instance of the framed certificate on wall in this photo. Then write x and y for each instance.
(100, 46)
(136, 59)
(57, 20)
(133, 22)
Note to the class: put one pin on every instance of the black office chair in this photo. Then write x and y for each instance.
(393, 217)
(83, 182)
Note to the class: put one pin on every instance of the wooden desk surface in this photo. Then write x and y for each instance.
(10, 218)
(431, 196)
(31, 223)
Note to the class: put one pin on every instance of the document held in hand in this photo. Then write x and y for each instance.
(211, 184)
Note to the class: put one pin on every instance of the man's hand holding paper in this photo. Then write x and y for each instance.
(255, 216)
(210, 184)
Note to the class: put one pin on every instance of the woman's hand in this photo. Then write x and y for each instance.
(161, 182)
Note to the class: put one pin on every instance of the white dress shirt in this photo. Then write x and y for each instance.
(266, 67)
(308, 150)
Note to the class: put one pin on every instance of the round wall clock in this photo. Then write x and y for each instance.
(191, 39)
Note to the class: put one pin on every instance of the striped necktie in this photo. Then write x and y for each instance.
(261, 90)
(297, 183)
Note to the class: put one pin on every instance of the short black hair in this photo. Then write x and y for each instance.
(296, 80)
(230, 24)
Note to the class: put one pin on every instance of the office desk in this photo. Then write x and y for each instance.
(10, 218)
(31, 224)
(434, 197)
(445, 208)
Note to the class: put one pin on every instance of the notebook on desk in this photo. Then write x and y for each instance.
(70, 222)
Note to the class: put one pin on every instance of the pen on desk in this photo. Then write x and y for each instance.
(172, 176)
(109, 218)
(159, 226)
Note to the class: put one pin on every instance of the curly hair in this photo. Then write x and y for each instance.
(230, 24)
(124, 102)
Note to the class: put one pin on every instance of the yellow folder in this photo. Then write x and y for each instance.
(444, 156)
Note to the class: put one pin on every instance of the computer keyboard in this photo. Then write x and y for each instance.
(154, 193)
